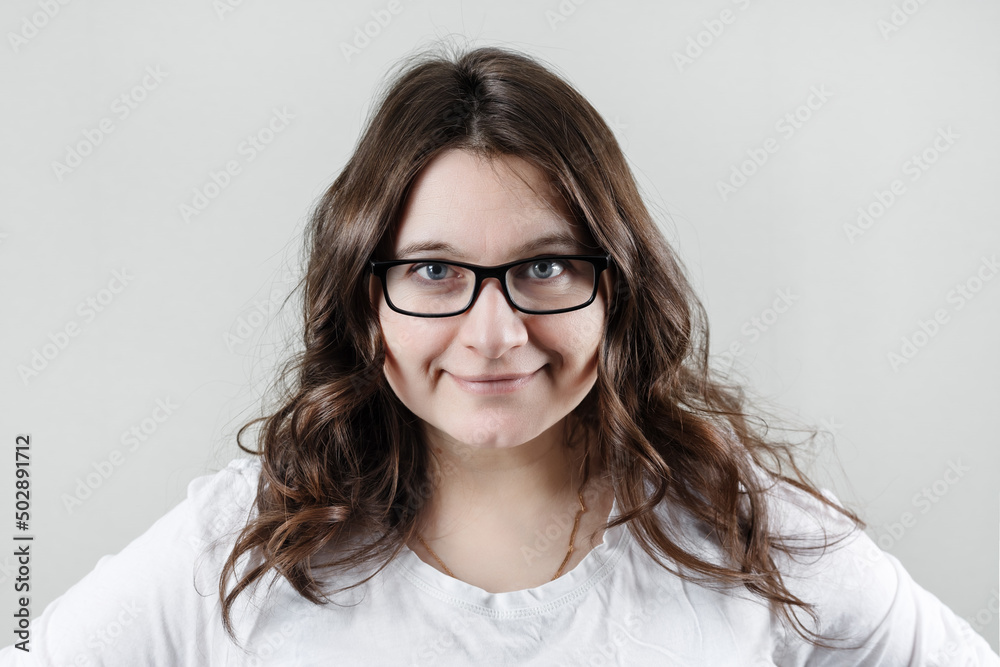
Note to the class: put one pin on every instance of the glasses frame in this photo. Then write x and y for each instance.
(600, 262)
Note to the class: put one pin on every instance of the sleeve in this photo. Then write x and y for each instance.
(154, 603)
(866, 598)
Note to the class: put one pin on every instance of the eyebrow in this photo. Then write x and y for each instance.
(562, 240)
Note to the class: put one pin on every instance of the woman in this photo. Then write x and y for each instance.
(502, 442)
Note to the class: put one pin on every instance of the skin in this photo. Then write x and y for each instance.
(502, 471)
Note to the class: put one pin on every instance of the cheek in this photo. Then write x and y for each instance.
(397, 335)
(588, 329)
(575, 338)
(411, 343)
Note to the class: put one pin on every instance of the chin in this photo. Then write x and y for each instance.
(509, 429)
(478, 437)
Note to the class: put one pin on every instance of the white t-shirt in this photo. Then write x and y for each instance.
(156, 603)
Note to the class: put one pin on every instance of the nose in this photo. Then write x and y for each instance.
(492, 325)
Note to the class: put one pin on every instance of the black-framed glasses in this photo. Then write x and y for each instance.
(538, 286)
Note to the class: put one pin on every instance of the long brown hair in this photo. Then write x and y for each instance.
(341, 456)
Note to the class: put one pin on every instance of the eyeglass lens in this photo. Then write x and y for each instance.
(433, 288)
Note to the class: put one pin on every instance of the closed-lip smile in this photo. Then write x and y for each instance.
(499, 383)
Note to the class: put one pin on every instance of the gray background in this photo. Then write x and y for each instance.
(197, 324)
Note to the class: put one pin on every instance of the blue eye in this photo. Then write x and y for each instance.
(435, 271)
(549, 269)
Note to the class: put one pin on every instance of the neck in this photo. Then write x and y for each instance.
(500, 491)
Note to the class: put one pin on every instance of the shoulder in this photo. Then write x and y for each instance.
(216, 507)
(866, 602)
(830, 562)
(222, 501)
(156, 600)
(233, 482)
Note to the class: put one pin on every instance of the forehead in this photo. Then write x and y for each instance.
(484, 210)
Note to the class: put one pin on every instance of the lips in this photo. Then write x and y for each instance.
(493, 378)
(501, 383)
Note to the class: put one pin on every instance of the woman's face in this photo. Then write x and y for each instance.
(488, 216)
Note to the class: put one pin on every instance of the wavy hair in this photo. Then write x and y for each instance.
(341, 456)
